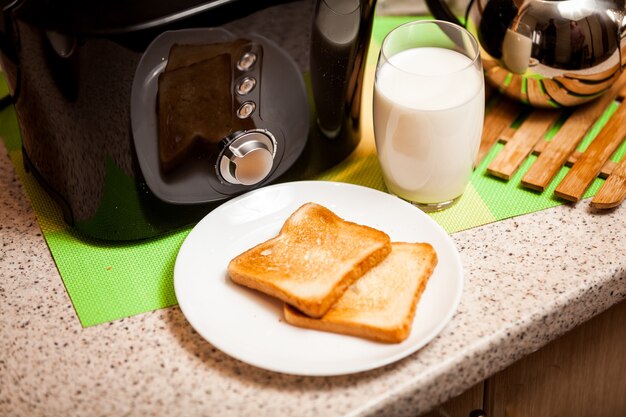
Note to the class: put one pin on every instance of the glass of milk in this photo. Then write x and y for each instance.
(429, 102)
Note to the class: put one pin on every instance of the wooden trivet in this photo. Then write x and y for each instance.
(561, 150)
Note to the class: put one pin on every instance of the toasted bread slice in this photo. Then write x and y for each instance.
(183, 55)
(313, 260)
(194, 104)
(380, 305)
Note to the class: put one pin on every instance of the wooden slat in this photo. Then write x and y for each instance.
(613, 191)
(609, 73)
(497, 120)
(567, 139)
(560, 94)
(497, 75)
(536, 97)
(489, 64)
(607, 168)
(580, 176)
(587, 88)
(522, 143)
(515, 86)
(622, 91)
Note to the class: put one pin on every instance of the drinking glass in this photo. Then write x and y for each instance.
(429, 102)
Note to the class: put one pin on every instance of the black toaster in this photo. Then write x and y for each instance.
(139, 117)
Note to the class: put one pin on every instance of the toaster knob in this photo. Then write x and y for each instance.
(248, 158)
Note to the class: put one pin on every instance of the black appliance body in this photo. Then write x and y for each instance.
(282, 84)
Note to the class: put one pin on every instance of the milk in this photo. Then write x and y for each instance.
(428, 119)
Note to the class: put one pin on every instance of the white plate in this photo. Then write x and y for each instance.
(249, 326)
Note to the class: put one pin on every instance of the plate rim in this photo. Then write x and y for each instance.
(346, 370)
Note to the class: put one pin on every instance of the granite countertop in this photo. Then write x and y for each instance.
(528, 280)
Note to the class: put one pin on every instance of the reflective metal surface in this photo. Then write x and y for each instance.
(546, 53)
(249, 157)
(71, 71)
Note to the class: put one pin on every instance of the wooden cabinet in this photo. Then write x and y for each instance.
(462, 405)
(581, 374)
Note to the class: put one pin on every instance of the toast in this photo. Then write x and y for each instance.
(380, 305)
(313, 260)
(193, 104)
(183, 55)
(195, 101)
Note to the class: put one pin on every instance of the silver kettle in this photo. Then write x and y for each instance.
(547, 53)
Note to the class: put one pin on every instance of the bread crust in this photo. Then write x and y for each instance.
(314, 259)
(375, 311)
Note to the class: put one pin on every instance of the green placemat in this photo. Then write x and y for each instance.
(109, 281)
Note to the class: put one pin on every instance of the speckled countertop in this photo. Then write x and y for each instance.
(528, 280)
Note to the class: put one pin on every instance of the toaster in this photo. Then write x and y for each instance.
(138, 117)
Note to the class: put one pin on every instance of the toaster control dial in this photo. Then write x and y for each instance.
(248, 158)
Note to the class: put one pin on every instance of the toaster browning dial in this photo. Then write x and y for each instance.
(248, 158)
